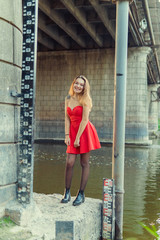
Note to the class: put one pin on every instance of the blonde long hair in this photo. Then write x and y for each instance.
(84, 97)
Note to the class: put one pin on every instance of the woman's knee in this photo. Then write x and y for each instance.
(69, 164)
(84, 162)
(70, 161)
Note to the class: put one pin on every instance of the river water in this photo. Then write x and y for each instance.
(142, 180)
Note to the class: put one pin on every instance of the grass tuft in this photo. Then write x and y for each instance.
(6, 222)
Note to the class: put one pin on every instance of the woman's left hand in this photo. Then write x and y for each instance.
(77, 143)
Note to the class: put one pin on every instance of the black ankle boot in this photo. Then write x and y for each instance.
(79, 199)
(67, 196)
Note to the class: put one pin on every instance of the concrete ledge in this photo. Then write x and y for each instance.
(139, 143)
(41, 217)
(102, 141)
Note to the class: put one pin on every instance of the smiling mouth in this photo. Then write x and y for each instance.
(77, 89)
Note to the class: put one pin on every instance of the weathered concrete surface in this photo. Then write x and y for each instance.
(7, 193)
(7, 119)
(40, 218)
(6, 41)
(9, 81)
(8, 168)
(12, 11)
(11, 39)
(17, 50)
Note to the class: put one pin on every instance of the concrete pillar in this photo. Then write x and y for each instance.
(137, 98)
(10, 79)
(152, 110)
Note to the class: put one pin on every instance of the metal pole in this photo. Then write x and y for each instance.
(122, 8)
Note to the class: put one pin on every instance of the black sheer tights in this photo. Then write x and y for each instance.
(70, 161)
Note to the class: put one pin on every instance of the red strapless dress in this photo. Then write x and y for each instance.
(89, 138)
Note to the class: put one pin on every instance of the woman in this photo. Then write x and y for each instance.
(80, 135)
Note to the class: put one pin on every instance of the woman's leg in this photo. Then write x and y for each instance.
(84, 160)
(70, 161)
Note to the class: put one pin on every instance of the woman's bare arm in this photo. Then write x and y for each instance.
(67, 124)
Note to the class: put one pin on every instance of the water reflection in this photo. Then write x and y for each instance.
(142, 180)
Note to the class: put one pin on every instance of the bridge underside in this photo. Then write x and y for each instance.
(91, 24)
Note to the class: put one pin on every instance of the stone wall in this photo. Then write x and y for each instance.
(10, 69)
(56, 70)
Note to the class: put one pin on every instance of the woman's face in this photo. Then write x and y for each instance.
(78, 86)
